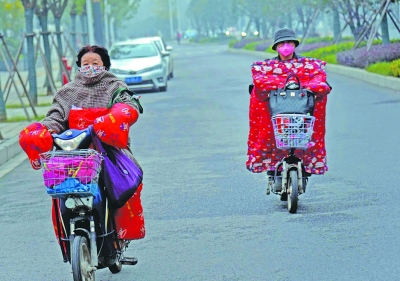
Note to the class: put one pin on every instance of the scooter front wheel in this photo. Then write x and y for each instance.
(293, 192)
(81, 260)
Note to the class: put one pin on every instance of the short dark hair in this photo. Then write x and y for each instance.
(101, 51)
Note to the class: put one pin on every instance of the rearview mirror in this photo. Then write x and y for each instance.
(168, 48)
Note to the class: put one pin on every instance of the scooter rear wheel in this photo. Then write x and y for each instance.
(293, 192)
(81, 260)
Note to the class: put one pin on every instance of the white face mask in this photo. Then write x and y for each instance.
(91, 70)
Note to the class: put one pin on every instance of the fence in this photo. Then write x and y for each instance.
(15, 73)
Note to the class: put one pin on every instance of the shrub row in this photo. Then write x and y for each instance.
(362, 58)
(395, 68)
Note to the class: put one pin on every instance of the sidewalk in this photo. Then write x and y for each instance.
(11, 154)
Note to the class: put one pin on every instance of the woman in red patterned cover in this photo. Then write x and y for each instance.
(270, 75)
(95, 97)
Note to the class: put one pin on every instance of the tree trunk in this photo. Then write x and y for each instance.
(47, 50)
(385, 30)
(31, 56)
(264, 29)
(336, 24)
(289, 19)
(57, 22)
(85, 37)
(73, 32)
(98, 23)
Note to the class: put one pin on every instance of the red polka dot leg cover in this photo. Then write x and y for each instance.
(269, 75)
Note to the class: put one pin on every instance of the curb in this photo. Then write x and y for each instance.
(389, 82)
(9, 149)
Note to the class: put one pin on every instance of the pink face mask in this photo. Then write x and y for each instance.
(286, 50)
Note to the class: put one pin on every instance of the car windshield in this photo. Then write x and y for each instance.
(130, 51)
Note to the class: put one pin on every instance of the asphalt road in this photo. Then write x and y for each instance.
(207, 217)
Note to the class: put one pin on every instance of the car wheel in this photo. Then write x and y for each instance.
(171, 75)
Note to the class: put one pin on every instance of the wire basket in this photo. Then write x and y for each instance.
(293, 130)
(71, 172)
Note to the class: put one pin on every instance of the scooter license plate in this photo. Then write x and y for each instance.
(133, 80)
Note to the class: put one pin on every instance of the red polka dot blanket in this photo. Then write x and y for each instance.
(270, 75)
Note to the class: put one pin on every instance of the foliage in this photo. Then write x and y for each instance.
(232, 43)
(263, 46)
(121, 10)
(318, 40)
(252, 45)
(395, 68)
(24, 118)
(329, 52)
(361, 58)
(240, 44)
(79, 6)
(212, 16)
(382, 68)
(11, 13)
(309, 47)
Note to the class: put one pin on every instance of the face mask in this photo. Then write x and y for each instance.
(91, 70)
(286, 50)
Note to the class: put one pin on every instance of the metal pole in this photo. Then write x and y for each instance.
(112, 35)
(178, 14)
(171, 20)
(89, 15)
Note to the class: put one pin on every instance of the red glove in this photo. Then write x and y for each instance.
(35, 139)
(113, 128)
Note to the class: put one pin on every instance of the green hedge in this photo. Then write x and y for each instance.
(252, 46)
(231, 43)
(328, 53)
(395, 68)
(382, 68)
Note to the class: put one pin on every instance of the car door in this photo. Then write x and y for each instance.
(161, 47)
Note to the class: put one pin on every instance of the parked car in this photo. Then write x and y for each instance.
(163, 47)
(140, 64)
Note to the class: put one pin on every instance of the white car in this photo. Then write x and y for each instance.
(163, 47)
(140, 64)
